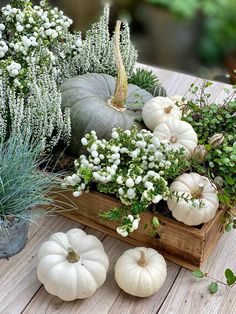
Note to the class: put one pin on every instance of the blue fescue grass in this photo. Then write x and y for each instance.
(24, 190)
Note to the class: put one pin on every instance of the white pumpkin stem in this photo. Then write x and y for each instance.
(72, 256)
(198, 192)
(168, 109)
(121, 91)
(142, 261)
(173, 139)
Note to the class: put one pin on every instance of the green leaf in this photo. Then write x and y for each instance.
(198, 273)
(228, 227)
(230, 277)
(213, 287)
(155, 222)
(229, 180)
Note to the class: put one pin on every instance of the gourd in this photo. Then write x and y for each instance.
(72, 265)
(158, 110)
(196, 188)
(140, 271)
(99, 102)
(179, 134)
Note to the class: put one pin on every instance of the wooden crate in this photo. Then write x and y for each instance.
(181, 244)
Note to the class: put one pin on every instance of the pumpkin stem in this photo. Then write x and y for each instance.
(198, 192)
(121, 91)
(72, 256)
(168, 109)
(142, 261)
(173, 139)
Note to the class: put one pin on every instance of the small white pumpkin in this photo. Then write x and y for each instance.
(179, 134)
(158, 110)
(140, 271)
(198, 188)
(72, 265)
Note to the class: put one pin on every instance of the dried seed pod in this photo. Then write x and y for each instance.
(219, 181)
(216, 140)
(199, 153)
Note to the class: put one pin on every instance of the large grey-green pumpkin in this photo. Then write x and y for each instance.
(89, 98)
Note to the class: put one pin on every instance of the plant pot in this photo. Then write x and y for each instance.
(173, 40)
(13, 238)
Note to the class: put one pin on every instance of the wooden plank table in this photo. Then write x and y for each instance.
(21, 292)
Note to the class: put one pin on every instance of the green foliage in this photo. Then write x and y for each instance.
(23, 189)
(230, 277)
(229, 221)
(198, 273)
(147, 80)
(219, 24)
(180, 8)
(213, 287)
(115, 214)
(219, 30)
(209, 119)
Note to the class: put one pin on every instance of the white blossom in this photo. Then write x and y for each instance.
(122, 232)
(84, 141)
(135, 224)
(131, 193)
(130, 217)
(77, 193)
(129, 183)
(157, 199)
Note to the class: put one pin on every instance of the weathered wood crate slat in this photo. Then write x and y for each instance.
(181, 244)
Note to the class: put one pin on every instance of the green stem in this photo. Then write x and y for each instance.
(72, 256)
(121, 91)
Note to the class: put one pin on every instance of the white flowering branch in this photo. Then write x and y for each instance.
(133, 166)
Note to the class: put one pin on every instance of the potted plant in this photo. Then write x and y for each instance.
(23, 193)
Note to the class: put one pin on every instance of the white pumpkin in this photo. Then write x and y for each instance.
(140, 271)
(197, 188)
(179, 134)
(158, 110)
(72, 265)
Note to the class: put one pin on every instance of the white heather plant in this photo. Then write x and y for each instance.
(37, 52)
(134, 166)
(29, 93)
(97, 49)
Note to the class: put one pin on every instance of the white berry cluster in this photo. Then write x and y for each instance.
(13, 69)
(24, 29)
(130, 223)
(134, 166)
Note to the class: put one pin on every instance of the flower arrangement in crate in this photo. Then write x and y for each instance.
(170, 157)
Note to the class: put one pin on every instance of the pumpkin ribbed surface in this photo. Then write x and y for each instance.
(88, 98)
